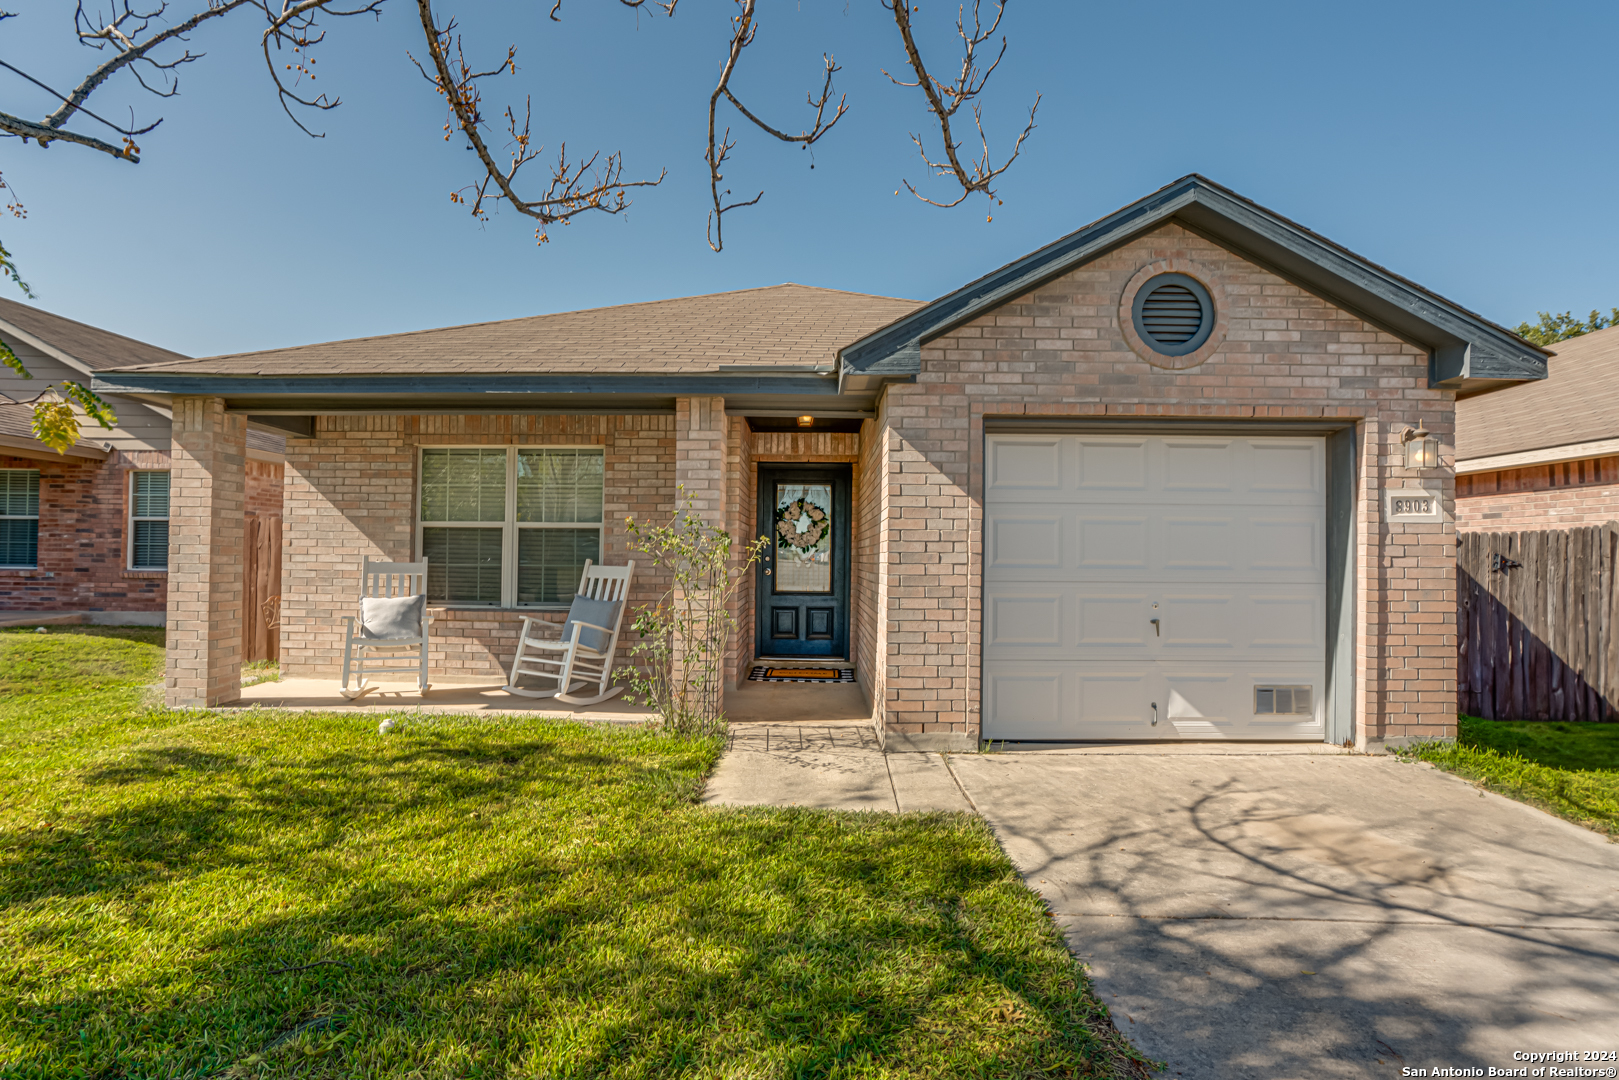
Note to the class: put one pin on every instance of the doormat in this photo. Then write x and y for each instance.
(763, 673)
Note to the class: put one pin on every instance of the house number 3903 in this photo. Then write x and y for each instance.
(1414, 504)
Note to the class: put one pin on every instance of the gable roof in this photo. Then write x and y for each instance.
(86, 348)
(1575, 406)
(778, 328)
(1469, 353)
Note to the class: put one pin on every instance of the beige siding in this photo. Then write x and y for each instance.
(140, 426)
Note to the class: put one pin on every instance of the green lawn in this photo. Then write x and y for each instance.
(1569, 769)
(258, 894)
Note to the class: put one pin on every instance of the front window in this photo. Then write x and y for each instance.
(509, 526)
(148, 521)
(19, 517)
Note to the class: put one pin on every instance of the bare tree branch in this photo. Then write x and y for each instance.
(744, 29)
(123, 30)
(569, 193)
(944, 99)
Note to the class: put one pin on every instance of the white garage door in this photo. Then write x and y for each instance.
(1154, 587)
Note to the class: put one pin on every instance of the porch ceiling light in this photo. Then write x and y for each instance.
(806, 421)
(1421, 448)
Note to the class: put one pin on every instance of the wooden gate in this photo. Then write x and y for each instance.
(261, 588)
(1537, 624)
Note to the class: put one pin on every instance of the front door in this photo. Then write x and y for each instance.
(803, 576)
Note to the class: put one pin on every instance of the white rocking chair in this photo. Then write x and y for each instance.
(584, 652)
(387, 633)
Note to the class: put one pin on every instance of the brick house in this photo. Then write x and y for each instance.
(84, 534)
(1148, 482)
(1544, 455)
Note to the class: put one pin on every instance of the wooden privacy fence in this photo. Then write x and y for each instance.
(261, 588)
(1537, 624)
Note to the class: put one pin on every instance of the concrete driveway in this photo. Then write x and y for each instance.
(1283, 915)
(1264, 913)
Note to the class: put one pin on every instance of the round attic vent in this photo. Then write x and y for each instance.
(1173, 314)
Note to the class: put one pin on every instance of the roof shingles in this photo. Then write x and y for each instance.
(1577, 402)
(95, 348)
(778, 327)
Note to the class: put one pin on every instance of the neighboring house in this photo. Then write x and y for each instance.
(1147, 482)
(1544, 455)
(86, 532)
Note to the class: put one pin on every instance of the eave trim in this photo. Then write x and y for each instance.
(1524, 458)
(387, 386)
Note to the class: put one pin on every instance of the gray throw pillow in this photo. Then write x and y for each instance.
(598, 612)
(392, 616)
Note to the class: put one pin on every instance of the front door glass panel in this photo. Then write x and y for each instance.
(803, 538)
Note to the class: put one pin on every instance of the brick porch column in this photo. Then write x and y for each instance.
(700, 452)
(206, 526)
(700, 425)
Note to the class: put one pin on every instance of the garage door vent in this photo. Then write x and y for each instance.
(1292, 700)
(1173, 314)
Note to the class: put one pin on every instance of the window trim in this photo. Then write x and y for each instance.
(34, 517)
(130, 519)
(509, 526)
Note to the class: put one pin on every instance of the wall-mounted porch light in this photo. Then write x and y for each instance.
(806, 421)
(1421, 448)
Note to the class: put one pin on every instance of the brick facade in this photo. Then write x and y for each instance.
(1060, 351)
(917, 564)
(83, 532)
(83, 516)
(351, 492)
(263, 480)
(1559, 495)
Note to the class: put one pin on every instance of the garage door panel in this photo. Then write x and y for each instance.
(1027, 703)
(1112, 541)
(1111, 465)
(1021, 466)
(1018, 621)
(1288, 621)
(1286, 542)
(1201, 620)
(1218, 702)
(1026, 542)
(1089, 538)
(1077, 621)
(1139, 470)
(1113, 620)
(1199, 466)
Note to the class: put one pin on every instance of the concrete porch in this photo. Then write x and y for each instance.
(752, 703)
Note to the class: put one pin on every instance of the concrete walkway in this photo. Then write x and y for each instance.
(1253, 913)
(836, 765)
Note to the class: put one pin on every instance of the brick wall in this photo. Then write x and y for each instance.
(869, 633)
(83, 523)
(351, 492)
(263, 487)
(1060, 351)
(1559, 495)
(83, 508)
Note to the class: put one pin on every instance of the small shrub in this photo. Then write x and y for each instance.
(680, 656)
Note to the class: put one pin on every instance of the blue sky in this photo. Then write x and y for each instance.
(1469, 146)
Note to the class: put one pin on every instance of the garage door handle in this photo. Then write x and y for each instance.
(1155, 707)
(1157, 631)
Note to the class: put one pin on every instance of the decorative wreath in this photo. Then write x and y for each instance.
(800, 525)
